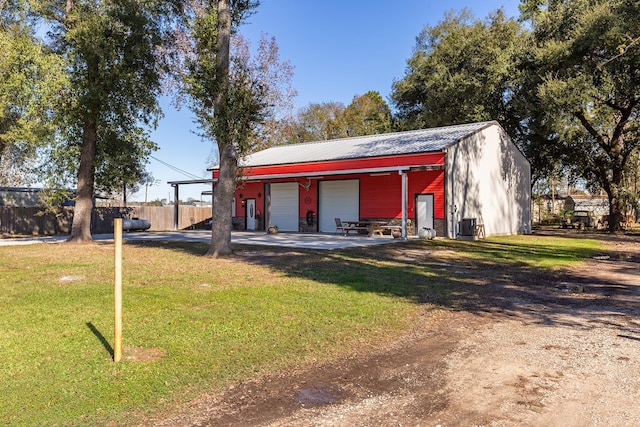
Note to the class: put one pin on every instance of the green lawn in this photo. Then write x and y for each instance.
(193, 324)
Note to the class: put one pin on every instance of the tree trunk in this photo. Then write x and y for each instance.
(222, 197)
(616, 203)
(223, 193)
(81, 225)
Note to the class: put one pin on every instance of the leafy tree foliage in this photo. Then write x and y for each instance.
(110, 49)
(367, 114)
(30, 78)
(461, 71)
(234, 98)
(583, 88)
(273, 76)
(566, 89)
(317, 122)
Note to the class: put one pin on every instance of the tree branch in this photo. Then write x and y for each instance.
(587, 125)
(626, 113)
(632, 42)
(609, 103)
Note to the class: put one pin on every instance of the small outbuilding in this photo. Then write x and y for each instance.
(599, 205)
(455, 180)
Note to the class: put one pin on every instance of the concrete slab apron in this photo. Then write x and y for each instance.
(290, 240)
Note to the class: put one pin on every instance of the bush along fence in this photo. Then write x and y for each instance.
(17, 221)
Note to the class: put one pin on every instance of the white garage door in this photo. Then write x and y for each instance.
(284, 206)
(338, 199)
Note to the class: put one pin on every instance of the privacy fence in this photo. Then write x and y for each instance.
(35, 221)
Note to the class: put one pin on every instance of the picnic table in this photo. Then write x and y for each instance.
(370, 227)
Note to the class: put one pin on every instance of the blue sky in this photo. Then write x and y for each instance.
(339, 49)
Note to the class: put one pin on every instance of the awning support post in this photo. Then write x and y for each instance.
(175, 206)
(404, 179)
(267, 206)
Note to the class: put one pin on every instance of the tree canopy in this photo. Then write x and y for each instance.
(110, 49)
(583, 89)
(461, 71)
(30, 79)
(367, 114)
(565, 85)
(234, 97)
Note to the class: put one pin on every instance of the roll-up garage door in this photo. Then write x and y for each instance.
(338, 199)
(284, 206)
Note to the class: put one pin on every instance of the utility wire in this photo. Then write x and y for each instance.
(185, 173)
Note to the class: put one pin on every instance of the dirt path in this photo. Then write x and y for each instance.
(562, 349)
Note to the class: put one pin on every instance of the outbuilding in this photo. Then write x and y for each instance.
(455, 180)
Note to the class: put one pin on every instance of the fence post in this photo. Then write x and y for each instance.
(117, 239)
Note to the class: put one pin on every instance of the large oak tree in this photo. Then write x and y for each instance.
(461, 71)
(111, 52)
(233, 97)
(565, 86)
(583, 88)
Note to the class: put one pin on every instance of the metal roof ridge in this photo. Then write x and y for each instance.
(271, 151)
(380, 135)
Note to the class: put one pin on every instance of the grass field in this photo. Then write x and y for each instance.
(194, 324)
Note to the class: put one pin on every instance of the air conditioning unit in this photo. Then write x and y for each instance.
(468, 227)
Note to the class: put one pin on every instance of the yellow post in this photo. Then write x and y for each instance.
(117, 238)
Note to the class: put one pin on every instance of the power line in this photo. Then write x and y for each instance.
(185, 173)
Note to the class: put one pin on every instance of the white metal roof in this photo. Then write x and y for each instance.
(390, 144)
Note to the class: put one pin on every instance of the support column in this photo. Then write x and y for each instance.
(213, 189)
(404, 179)
(175, 207)
(267, 206)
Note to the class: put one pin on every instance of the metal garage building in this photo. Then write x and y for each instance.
(444, 178)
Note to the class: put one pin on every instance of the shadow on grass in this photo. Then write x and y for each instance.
(191, 248)
(505, 277)
(101, 338)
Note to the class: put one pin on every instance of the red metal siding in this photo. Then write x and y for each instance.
(255, 190)
(425, 183)
(250, 190)
(412, 160)
(308, 199)
(380, 196)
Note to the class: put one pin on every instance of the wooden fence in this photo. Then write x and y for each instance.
(35, 221)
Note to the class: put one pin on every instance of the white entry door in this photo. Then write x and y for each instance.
(424, 211)
(284, 206)
(338, 199)
(250, 214)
